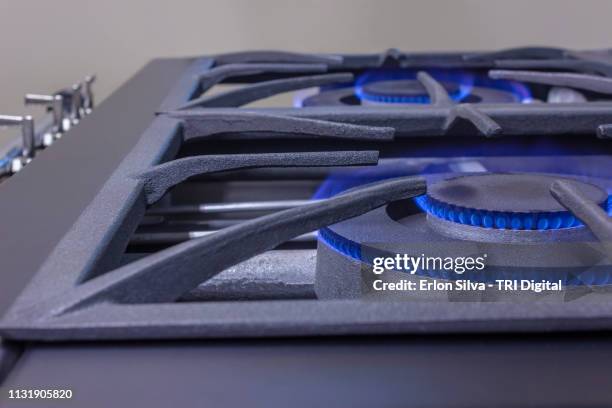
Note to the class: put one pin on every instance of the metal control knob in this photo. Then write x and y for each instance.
(54, 103)
(87, 94)
(28, 148)
(76, 105)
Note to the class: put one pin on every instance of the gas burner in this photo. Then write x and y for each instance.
(402, 91)
(400, 87)
(513, 218)
(505, 201)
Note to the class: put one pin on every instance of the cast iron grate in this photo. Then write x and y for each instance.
(85, 291)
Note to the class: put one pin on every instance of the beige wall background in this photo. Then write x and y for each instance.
(45, 45)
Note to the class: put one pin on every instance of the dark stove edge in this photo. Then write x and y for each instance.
(24, 190)
(9, 355)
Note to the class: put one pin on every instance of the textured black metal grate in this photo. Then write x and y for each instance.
(260, 90)
(91, 288)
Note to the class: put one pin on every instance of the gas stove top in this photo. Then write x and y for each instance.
(200, 202)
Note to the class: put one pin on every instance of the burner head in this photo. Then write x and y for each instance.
(402, 91)
(512, 218)
(504, 201)
(402, 88)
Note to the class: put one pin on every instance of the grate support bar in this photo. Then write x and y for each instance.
(168, 274)
(159, 179)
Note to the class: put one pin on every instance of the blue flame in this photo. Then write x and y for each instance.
(341, 181)
(498, 219)
(464, 79)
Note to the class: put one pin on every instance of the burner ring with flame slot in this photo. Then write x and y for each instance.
(348, 96)
(504, 201)
(402, 91)
(383, 87)
(347, 250)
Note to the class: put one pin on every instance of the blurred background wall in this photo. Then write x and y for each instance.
(45, 45)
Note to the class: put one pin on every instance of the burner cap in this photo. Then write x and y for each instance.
(505, 201)
(401, 91)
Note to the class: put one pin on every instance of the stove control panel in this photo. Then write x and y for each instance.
(64, 108)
